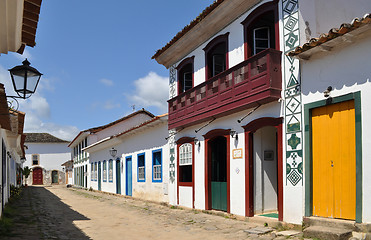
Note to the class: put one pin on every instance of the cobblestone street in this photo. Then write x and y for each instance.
(57, 212)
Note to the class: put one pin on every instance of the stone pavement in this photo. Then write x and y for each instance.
(57, 212)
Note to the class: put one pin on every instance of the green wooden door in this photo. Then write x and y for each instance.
(54, 176)
(219, 174)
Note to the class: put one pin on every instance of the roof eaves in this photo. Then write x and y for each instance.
(187, 28)
(332, 34)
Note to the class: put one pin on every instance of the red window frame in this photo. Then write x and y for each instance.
(210, 46)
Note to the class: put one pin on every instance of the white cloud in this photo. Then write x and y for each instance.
(35, 124)
(107, 82)
(151, 91)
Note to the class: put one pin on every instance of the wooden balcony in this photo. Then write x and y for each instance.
(248, 84)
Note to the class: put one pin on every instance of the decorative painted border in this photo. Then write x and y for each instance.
(308, 151)
(292, 95)
(171, 141)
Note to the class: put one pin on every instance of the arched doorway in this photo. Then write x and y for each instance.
(264, 171)
(55, 176)
(217, 177)
(37, 176)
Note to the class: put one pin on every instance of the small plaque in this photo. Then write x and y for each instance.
(237, 153)
(268, 155)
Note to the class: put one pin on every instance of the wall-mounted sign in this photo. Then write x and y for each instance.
(268, 155)
(237, 153)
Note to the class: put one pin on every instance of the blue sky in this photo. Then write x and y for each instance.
(96, 61)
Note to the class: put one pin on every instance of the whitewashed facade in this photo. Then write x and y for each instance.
(45, 155)
(81, 162)
(12, 148)
(140, 166)
(261, 136)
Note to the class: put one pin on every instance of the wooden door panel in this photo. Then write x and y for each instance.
(333, 154)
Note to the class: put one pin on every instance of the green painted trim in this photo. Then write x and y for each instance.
(357, 106)
(308, 149)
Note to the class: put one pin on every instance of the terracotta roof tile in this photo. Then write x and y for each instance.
(332, 34)
(42, 138)
(194, 22)
(4, 110)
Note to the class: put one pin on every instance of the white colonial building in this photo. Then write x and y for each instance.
(45, 155)
(139, 166)
(81, 162)
(241, 109)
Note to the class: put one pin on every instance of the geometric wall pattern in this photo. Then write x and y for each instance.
(172, 82)
(292, 95)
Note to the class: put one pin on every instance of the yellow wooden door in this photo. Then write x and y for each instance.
(334, 161)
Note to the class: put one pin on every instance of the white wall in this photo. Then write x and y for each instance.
(347, 71)
(145, 141)
(52, 155)
(122, 126)
(237, 166)
(324, 15)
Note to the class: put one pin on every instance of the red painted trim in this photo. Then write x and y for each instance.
(280, 171)
(217, 40)
(186, 61)
(252, 18)
(179, 142)
(202, 102)
(249, 178)
(250, 128)
(208, 137)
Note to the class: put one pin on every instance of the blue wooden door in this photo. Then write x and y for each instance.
(99, 177)
(128, 176)
(118, 177)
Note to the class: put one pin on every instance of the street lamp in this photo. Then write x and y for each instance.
(25, 79)
(113, 152)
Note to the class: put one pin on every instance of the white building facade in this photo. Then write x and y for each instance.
(236, 108)
(81, 159)
(45, 155)
(140, 166)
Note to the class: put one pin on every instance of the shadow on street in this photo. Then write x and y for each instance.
(39, 214)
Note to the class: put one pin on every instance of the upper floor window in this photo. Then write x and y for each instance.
(216, 56)
(185, 75)
(260, 29)
(261, 39)
(35, 159)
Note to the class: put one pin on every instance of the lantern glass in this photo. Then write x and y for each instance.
(25, 79)
(113, 152)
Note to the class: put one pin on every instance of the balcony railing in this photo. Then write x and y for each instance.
(254, 81)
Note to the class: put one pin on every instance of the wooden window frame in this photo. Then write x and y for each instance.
(38, 159)
(210, 46)
(181, 65)
(153, 166)
(180, 142)
(104, 171)
(252, 18)
(144, 167)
